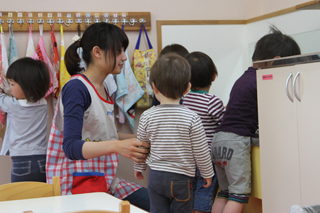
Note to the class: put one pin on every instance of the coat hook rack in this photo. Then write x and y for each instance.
(87, 21)
(97, 20)
(21, 20)
(50, 21)
(115, 21)
(132, 21)
(78, 20)
(40, 21)
(30, 21)
(60, 21)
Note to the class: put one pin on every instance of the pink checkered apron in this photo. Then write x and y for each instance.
(98, 125)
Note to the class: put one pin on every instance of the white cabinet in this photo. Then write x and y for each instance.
(289, 124)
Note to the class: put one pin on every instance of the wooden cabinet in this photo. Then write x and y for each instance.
(289, 124)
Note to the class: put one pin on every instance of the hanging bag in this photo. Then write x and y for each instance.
(141, 66)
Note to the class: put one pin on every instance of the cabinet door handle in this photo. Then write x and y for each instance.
(287, 91)
(295, 87)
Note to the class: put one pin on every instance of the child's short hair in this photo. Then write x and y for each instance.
(174, 48)
(171, 75)
(202, 69)
(275, 44)
(32, 76)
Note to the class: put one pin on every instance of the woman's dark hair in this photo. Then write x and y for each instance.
(174, 48)
(107, 37)
(275, 44)
(202, 69)
(171, 75)
(32, 76)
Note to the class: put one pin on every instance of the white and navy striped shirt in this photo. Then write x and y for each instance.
(178, 141)
(210, 109)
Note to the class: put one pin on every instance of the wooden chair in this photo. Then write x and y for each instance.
(124, 208)
(29, 189)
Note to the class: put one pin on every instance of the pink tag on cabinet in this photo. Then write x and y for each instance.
(267, 77)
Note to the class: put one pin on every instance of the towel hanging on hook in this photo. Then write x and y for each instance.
(3, 70)
(128, 93)
(41, 54)
(55, 60)
(30, 46)
(64, 75)
(12, 47)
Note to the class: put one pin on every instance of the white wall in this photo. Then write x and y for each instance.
(302, 25)
(225, 44)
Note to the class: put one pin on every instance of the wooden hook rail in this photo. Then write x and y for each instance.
(20, 20)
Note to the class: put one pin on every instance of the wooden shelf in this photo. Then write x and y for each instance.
(311, 5)
(83, 16)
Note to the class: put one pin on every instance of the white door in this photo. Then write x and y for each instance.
(308, 89)
(278, 139)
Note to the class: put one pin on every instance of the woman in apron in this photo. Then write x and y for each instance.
(84, 144)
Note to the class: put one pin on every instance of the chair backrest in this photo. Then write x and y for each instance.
(124, 208)
(29, 189)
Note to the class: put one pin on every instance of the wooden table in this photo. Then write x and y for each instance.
(66, 203)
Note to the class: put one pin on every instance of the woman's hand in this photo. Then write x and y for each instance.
(133, 149)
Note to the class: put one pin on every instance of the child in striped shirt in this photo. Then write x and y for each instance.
(211, 110)
(177, 139)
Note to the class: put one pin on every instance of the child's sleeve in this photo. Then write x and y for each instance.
(216, 109)
(6, 102)
(200, 149)
(141, 136)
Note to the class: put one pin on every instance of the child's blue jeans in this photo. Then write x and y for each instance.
(28, 168)
(166, 188)
(203, 197)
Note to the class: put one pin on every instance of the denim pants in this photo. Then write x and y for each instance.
(28, 168)
(166, 188)
(140, 198)
(203, 197)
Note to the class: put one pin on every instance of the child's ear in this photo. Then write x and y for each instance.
(188, 89)
(214, 77)
(155, 89)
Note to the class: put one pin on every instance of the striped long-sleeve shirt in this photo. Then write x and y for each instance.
(178, 141)
(210, 109)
